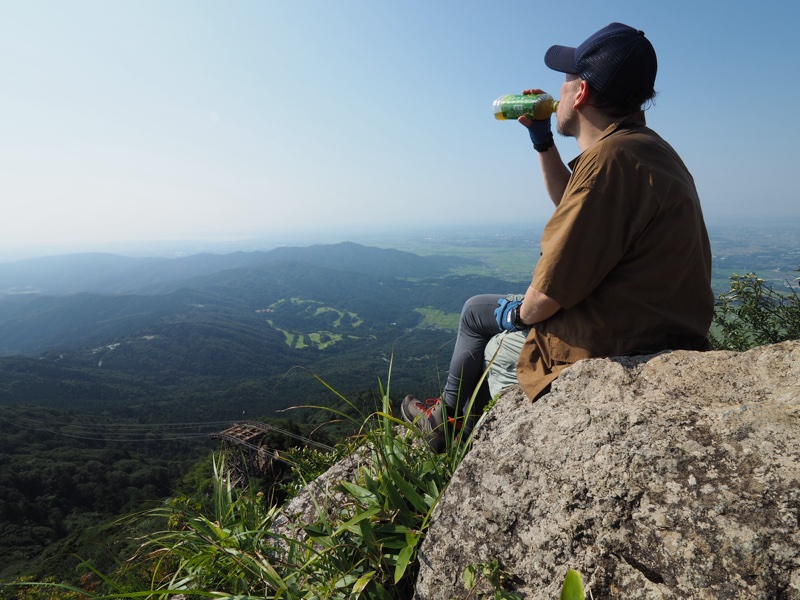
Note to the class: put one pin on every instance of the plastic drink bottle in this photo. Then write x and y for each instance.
(534, 106)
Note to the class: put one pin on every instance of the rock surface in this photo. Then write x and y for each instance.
(319, 495)
(666, 476)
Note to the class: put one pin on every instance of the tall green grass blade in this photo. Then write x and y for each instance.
(352, 523)
(409, 492)
(403, 560)
(361, 494)
(363, 581)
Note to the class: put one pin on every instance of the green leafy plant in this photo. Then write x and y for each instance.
(308, 463)
(489, 573)
(374, 539)
(753, 313)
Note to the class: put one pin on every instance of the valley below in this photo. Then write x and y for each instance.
(114, 370)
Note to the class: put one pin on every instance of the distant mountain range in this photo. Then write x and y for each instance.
(110, 273)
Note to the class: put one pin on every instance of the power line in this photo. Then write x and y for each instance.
(138, 432)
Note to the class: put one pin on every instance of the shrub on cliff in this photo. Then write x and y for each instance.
(753, 313)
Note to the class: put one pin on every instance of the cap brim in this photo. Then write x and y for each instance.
(561, 58)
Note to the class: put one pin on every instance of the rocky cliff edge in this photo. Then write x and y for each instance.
(666, 476)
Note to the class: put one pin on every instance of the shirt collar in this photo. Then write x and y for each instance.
(631, 121)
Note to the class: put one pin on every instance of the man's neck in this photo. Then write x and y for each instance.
(592, 125)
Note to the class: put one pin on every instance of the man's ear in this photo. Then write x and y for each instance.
(582, 96)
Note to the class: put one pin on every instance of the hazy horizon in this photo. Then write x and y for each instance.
(381, 236)
(200, 120)
(388, 237)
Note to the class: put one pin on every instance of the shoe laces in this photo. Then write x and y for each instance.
(427, 406)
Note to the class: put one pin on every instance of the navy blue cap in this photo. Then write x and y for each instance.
(617, 61)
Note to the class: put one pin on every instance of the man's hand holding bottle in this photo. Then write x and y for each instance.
(540, 130)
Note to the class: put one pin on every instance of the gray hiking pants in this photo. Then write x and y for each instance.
(481, 342)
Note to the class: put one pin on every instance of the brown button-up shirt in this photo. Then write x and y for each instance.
(626, 254)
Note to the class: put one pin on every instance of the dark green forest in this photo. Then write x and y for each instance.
(61, 477)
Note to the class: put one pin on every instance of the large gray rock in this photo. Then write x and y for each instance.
(317, 498)
(667, 476)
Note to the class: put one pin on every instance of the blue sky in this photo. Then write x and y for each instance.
(145, 120)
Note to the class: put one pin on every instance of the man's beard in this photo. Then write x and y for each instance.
(566, 125)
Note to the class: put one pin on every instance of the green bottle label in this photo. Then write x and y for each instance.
(516, 106)
(535, 106)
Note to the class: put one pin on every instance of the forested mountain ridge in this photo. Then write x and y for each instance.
(233, 329)
(109, 273)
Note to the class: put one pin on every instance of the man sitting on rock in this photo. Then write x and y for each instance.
(625, 265)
